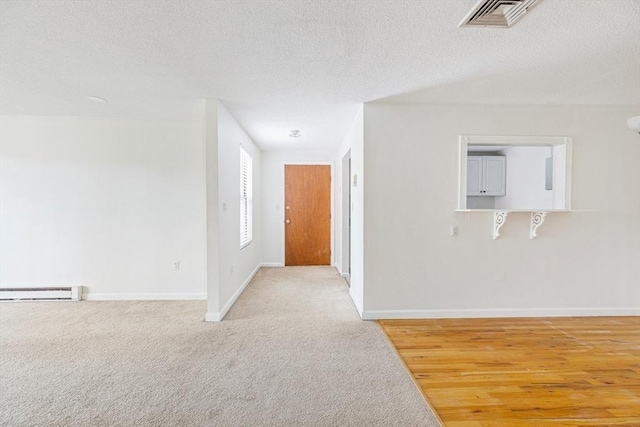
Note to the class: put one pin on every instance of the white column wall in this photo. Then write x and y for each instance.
(354, 141)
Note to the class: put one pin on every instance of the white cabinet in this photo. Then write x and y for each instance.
(486, 175)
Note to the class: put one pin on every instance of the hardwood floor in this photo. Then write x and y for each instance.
(525, 372)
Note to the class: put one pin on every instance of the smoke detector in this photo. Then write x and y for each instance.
(496, 13)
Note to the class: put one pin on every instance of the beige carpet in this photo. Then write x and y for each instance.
(291, 352)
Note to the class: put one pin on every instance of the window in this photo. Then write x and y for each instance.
(246, 198)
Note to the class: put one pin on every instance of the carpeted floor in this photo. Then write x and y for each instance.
(291, 352)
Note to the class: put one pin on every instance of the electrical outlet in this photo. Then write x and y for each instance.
(224, 207)
(176, 265)
(453, 231)
(232, 269)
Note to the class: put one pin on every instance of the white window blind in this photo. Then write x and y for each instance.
(246, 198)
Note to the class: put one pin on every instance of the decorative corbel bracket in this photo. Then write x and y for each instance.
(499, 218)
(537, 218)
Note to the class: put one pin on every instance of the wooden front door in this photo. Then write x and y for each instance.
(307, 214)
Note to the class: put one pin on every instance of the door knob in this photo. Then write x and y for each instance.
(288, 221)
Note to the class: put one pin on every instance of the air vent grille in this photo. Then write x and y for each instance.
(496, 13)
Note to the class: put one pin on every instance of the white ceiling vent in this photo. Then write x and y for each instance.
(496, 13)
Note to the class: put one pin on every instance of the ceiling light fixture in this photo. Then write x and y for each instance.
(97, 99)
(634, 123)
(295, 133)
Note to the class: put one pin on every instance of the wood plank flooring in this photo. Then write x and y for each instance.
(525, 372)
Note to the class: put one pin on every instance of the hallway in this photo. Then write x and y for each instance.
(292, 351)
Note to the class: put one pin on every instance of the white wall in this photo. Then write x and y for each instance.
(108, 203)
(343, 213)
(236, 266)
(212, 272)
(526, 179)
(354, 140)
(580, 263)
(272, 182)
(559, 178)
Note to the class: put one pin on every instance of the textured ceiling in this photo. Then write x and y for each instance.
(282, 65)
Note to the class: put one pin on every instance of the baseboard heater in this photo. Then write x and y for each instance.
(53, 293)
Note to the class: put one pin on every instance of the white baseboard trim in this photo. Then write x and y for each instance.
(93, 296)
(272, 264)
(212, 317)
(340, 273)
(504, 312)
(217, 317)
(357, 303)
